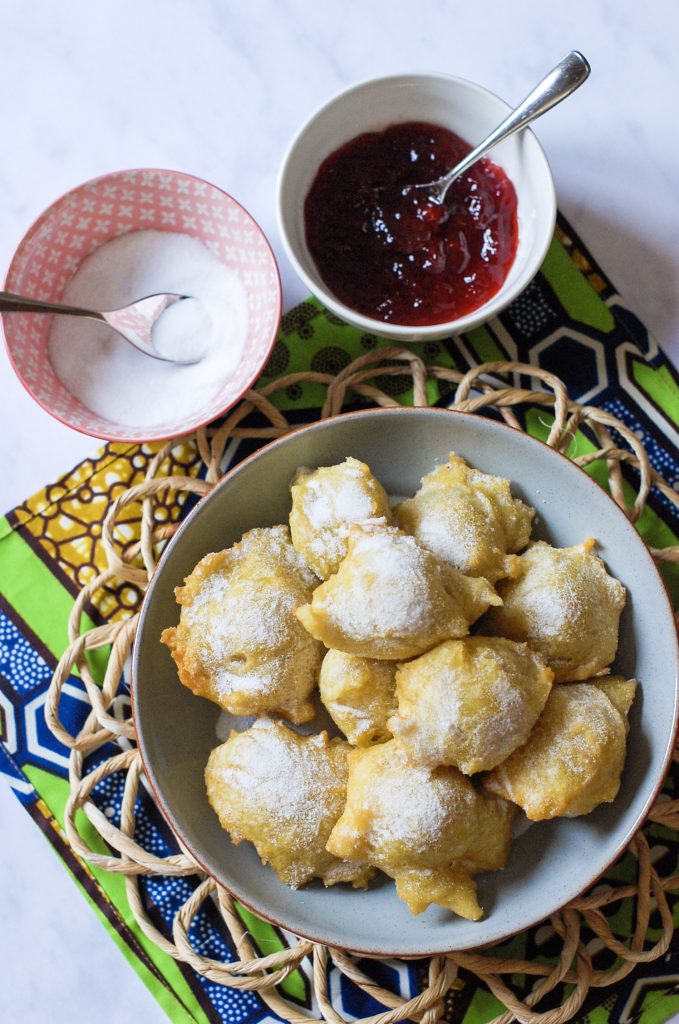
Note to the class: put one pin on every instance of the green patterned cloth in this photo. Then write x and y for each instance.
(570, 321)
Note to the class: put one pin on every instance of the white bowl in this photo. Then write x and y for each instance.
(465, 108)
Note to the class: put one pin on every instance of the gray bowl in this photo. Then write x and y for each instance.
(552, 862)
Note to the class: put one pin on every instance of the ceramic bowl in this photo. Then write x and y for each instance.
(115, 204)
(470, 111)
(553, 861)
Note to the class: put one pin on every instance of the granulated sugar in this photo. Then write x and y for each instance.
(242, 621)
(114, 379)
(411, 807)
(183, 331)
(347, 501)
(332, 506)
(395, 588)
(297, 782)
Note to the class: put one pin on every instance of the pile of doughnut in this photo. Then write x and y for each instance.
(442, 739)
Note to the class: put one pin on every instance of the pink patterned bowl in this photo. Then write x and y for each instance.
(115, 204)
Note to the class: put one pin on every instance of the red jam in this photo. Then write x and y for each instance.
(391, 253)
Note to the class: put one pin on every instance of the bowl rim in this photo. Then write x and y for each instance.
(500, 935)
(37, 224)
(496, 304)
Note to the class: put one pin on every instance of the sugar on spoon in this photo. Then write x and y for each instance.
(134, 323)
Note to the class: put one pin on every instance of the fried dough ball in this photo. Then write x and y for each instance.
(359, 695)
(325, 503)
(427, 828)
(574, 757)
(470, 702)
(468, 519)
(565, 606)
(238, 642)
(390, 599)
(620, 692)
(450, 888)
(283, 792)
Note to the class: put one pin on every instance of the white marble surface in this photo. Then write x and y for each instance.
(217, 89)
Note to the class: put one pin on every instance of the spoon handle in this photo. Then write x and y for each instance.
(10, 303)
(561, 81)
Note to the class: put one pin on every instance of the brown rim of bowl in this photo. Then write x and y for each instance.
(387, 953)
(37, 224)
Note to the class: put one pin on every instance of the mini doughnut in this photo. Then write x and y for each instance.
(325, 504)
(238, 642)
(468, 519)
(470, 702)
(390, 599)
(565, 606)
(283, 792)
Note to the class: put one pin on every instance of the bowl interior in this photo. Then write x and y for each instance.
(467, 109)
(549, 864)
(114, 205)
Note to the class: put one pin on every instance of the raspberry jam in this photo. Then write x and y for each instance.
(391, 253)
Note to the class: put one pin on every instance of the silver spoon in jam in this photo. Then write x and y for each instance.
(565, 78)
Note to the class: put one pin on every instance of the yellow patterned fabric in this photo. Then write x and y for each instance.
(65, 519)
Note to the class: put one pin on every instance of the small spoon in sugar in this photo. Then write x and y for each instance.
(141, 323)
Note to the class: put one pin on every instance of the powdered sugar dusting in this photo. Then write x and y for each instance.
(298, 780)
(244, 627)
(469, 702)
(458, 540)
(327, 502)
(249, 618)
(476, 731)
(550, 606)
(396, 586)
(410, 807)
(239, 624)
(585, 724)
(273, 545)
(564, 594)
(341, 505)
(573, 760)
